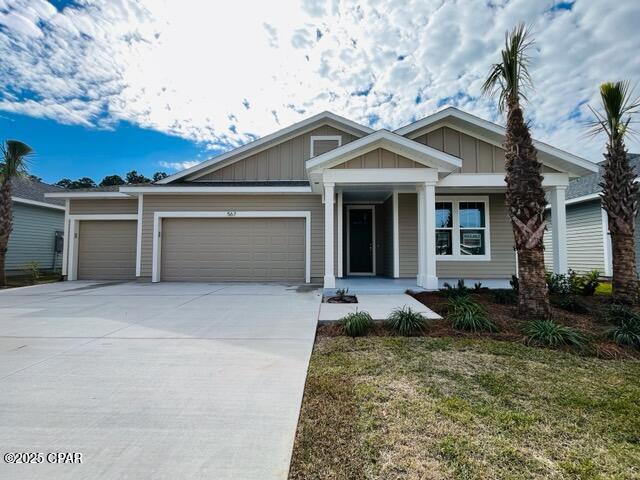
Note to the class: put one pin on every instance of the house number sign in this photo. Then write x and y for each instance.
(231, 213)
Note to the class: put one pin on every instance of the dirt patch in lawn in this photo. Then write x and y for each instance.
(450, 408)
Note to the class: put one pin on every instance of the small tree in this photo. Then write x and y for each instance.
(619, 189)
(15, 156)
(134, 177)
(159, 176)
(110, 180)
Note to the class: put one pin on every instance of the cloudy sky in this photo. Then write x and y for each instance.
(105, 86)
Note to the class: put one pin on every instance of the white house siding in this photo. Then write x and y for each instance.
(585, 248)
(33, 237)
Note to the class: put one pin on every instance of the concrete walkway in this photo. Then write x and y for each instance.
(161, 381)
(379, 306)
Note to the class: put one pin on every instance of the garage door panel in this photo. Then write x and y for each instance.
(238, 249)
(107, 250)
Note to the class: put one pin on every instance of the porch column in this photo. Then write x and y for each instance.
(559, 229)
(329, 193)
(427, 277)
(340, 239)
(396, 236)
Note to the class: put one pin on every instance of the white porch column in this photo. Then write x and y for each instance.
(421, 238)
(396, 236)
(559, 229)
(65, 243)
(340, 239)
(429, 276)
(329, 193)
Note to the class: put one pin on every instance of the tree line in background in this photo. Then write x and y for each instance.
(131, 178)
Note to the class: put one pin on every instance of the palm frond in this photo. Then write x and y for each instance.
(510, 79)
(618, 107)
(15, 159)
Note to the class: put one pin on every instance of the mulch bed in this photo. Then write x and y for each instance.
(343, 299)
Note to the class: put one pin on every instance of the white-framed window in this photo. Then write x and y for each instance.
(462, 228)
(323, 143)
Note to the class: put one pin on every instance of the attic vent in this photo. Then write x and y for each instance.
(323, 144)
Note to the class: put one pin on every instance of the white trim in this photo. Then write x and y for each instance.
(457, 256)
(157, 231)
(72, 194)
(396, 236)
(35, 203)
(415, 151)
(223, 190)
(337, 138)
(379, 175)
(559, 228)
(340, 235)
(373, 240)
(65, 243)
(583, 165)
(280, 135)
(606, 244)
(429, 272)
(496, 180)
(584, 198)
(74, 224)
(139, 236)
(329, 206)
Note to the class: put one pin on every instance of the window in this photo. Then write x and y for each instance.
(323, 143)
(462, 231)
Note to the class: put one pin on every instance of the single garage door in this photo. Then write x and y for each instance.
(107, 250)
(233, 249)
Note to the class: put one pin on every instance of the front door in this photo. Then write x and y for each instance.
(361, 240)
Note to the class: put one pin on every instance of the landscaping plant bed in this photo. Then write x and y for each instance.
(341, 296)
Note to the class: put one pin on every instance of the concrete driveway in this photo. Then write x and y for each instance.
(168, 380)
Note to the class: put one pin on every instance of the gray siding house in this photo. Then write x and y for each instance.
(36, 222)
(588, 240)
(324, 199)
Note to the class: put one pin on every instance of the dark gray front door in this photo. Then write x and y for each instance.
(361, 241)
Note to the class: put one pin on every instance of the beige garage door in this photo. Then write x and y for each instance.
(107, 250)
(233, 249)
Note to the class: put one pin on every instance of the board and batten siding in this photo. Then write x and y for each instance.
(285, 161)
(33, 237)
(224, 203)
(585, 247)
(103, 206)
(503, 260)
(380, 158)
(477, 155)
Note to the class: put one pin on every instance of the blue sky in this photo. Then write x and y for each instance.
(106, 86)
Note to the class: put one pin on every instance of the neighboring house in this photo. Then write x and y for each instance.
(320, 199)
(36, 222)
(588, 239)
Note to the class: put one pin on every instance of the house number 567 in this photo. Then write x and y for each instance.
(231, 214)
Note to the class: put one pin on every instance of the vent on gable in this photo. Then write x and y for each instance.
(323, 144)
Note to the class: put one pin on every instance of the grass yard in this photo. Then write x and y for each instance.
(437, 408)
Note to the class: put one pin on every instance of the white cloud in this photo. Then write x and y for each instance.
(179, 165)
(221, 73)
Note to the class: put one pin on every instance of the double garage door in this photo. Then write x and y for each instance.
(233, 249)
(199, 250)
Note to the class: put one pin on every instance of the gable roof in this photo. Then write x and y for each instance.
(589, 186)
(494, 133)
(415, 151)
(27, 190)
(271, 140)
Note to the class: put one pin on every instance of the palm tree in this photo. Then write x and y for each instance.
(14, 164)
(619, 190)
(525, 197)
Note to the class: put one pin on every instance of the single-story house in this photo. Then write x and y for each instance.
(326, 197)
(588, 239)
(38, 225)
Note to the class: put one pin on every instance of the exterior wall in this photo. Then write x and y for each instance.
(312, 203)
(387, 261)
(585, 247)
(380, 158)
(501, 265)
(33, 237)
(477, 156)
(103, 206)
(285, 161)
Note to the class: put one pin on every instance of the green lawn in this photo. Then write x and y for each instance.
(438, 408)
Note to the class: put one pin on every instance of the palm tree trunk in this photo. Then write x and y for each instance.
(625, 285)
(6, 225)
(526, 202)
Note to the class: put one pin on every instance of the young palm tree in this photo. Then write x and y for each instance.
(14, 164)
(525, 197)
(619, 190)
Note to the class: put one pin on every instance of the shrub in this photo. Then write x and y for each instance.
(33, 270)
(460, 290)
(341, 293)
(405, 321)
(626, 329)
(557, 282)
(573, 283)
(552, 334)
(570, 303)
(515, 283)
(477, 286)
(467, 314)
(356, 324)
(504, 296)
(590, 283)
